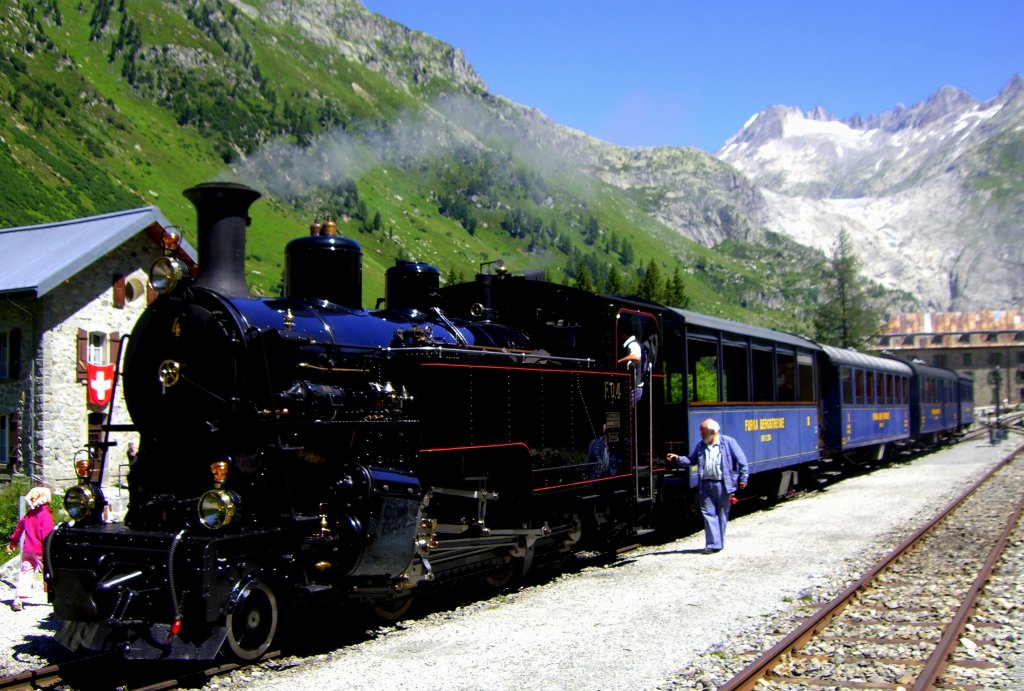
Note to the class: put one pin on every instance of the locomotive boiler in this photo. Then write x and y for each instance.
(301, 450)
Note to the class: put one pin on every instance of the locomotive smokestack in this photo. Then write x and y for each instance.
(222, 216)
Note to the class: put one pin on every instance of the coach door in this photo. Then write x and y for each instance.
(635, 328)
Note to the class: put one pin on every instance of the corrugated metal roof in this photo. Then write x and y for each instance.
(38, 258)
(955, 322)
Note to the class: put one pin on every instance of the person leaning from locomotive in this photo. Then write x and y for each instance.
(636, 357)
(721, 470)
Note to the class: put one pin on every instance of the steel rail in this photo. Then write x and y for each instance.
(85, 668)
(759, 669)
(50, 675)
(939, 659)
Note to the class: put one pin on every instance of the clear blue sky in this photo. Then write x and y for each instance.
(688, 73)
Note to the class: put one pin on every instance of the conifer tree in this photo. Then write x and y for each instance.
(649, 287)
(844, 318)
(583, 279)
(613, 282)
(675, 290)
(626, 253)
(591, 231)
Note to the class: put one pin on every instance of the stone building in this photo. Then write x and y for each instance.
(975, 343)
(69, 293)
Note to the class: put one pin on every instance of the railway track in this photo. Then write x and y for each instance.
(108, 671)
(902, 624)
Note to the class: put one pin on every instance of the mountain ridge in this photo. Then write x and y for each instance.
(922, 200)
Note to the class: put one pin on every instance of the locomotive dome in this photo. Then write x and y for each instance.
(412, 285)
(325, 266)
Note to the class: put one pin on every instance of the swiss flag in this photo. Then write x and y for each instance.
(101, 383)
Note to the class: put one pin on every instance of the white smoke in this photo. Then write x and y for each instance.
(290, 170)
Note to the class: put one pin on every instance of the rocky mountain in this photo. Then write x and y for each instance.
(932, 195)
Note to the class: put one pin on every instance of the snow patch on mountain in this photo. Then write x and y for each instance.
(909, 186)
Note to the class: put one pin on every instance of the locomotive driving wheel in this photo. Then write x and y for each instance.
(500, 578)
(503, 575)
(393, 609)
(252, 622)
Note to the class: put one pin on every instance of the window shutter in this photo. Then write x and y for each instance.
(119, 291)
(14, 353)
(14, 450)
(82, 352)
(114, 341)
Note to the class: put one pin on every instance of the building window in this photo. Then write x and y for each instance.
(5, 439)
(995, 359)
(5, 356)
(99, 352)
(940, 359)
(134, 289)
(967, 359)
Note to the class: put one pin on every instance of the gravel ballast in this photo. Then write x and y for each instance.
(658, 618)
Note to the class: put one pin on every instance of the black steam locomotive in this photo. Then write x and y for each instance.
(302, 450)
(303, 447)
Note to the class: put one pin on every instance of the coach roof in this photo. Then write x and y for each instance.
(853, 358)
(758, 332)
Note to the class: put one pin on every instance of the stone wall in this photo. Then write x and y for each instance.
(56, 401)
(15, 394)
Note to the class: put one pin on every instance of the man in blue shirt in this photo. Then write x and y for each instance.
(721, 469)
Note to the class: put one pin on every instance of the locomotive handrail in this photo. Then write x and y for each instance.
(104, 446)
(521, 355)
(334, 370)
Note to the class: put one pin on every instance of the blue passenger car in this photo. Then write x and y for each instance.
(865, 402)
(761, 386)
(965, 399)
(934, 408)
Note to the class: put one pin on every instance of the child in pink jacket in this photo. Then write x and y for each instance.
(35, 525)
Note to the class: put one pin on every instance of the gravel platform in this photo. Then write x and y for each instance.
(657, 618)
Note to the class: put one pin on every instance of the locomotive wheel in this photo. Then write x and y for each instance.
(392, 610)
(252, 623)
(500, 578)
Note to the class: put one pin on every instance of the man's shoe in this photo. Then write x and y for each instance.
(708, 550)
(16, 605)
